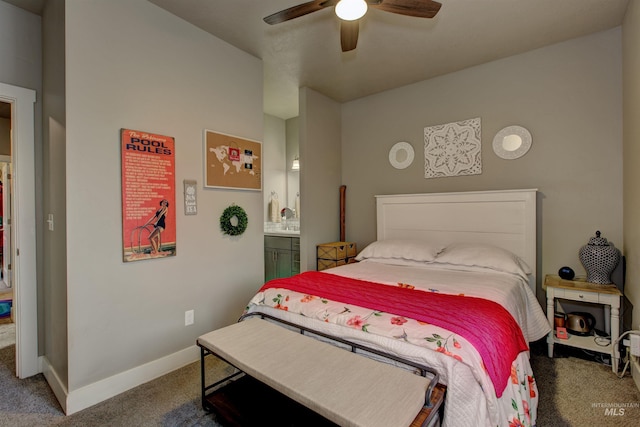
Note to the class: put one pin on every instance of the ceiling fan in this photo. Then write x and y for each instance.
(350, 11)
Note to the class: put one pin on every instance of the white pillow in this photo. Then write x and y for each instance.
(399, 261)
(414, 250)
(482, 255)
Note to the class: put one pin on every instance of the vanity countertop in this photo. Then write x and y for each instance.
(292, 229)
(283, 233)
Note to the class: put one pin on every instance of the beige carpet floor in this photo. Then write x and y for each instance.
(168, 401)
(7, 334)
(576, 392)
(573, 393)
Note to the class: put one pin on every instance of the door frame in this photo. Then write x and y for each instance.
(24, 226)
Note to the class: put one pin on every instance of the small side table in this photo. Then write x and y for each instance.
(580, 290)
(334, 254)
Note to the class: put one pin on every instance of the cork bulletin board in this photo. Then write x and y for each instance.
(232, 162)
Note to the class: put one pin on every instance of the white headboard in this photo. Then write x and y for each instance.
(505, 218)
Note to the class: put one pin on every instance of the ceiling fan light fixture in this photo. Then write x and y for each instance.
(350, 10)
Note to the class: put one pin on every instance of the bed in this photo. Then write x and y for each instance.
(449, 282)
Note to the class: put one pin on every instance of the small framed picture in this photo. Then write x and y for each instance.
(190, 197)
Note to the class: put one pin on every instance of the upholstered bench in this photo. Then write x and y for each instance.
(346, 388)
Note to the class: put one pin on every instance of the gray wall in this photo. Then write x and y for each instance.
(293, 150)
(130, 64)
(567, 95)
(53, 310)
(320, 173)
(20, 47)
(631, 73)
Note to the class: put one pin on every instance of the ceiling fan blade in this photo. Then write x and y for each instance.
(297, 11)
(416, 8)
(349, 35)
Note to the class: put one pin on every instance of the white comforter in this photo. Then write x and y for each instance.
(471, 399)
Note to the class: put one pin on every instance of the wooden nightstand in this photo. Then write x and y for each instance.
(580, 290)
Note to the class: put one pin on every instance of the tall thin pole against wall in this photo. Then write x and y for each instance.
(343, 190)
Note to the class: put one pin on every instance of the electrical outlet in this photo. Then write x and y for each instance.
(635, 344)
(188, 317)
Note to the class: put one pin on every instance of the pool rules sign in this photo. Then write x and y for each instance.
(148, 195)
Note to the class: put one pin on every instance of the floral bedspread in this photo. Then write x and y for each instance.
(425, 343)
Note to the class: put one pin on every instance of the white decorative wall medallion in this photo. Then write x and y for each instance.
(401, 155)
(512, 142)
(453, 149)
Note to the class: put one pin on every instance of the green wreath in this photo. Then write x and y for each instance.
(226, 224)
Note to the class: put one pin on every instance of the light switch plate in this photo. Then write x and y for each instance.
(188, 317)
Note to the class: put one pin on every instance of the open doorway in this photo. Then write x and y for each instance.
(22, 234)
(6, 251)
(7, 325)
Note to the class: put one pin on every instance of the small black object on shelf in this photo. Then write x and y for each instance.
(566, 273)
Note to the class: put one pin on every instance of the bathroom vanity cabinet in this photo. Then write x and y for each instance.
(281, 256)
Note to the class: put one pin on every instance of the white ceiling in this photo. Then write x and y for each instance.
(393, 50)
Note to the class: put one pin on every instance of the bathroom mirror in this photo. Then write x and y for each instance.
(512, 142)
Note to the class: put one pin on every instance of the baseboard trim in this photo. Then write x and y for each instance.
(56, 385)
(99, 391)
